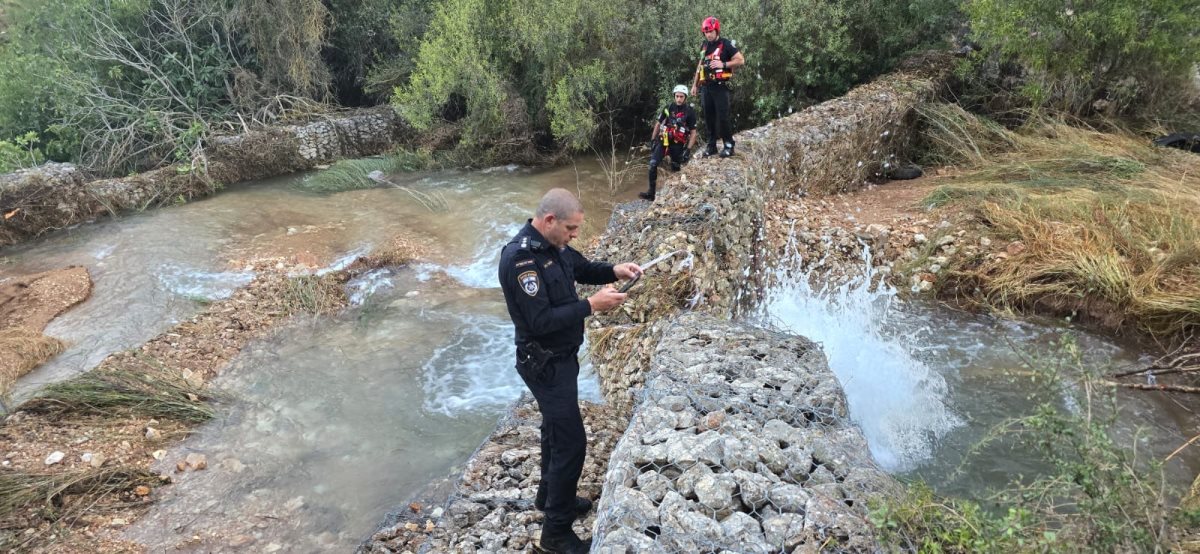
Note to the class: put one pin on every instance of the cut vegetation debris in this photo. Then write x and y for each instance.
(154, 393)
(22, 350)
(1108, 226)
(62, 496)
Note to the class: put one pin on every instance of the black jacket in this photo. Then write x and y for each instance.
(539, 287)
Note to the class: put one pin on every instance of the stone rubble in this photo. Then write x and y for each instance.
(782, 469)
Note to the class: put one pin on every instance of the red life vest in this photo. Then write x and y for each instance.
(718, 75)
(675, 124)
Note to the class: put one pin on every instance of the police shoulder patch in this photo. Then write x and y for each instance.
(524, 263)
(529, 282)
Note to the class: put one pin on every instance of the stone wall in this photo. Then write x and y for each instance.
(54, 196)
(742, 443)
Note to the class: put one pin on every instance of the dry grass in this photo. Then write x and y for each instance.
(1110, 224)
(22, 350)
(62, 496)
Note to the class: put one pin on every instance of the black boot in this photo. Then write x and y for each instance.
(582, 505)
(728, 151)
(710, 150)
(646, 196)
(562, 541)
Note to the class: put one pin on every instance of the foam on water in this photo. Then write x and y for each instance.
(195, 283)
(368, 284)
(474, 371)
(899, 402)
(480, 271)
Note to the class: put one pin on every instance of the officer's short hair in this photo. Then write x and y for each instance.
(559, 202)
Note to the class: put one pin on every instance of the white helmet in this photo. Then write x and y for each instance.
(679, 89)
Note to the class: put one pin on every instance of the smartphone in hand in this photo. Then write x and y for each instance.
(630, 283)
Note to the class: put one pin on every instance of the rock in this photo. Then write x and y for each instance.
(153, 434)
(783, 531)
(141, 490)
(715, 492)
(985, 242)
(511, 458)
(787, 498)
(752, 488)
(86, 457)
(1014, 248)
(743, 534)
(54, 457)
(273, 547)
(919, 238)
(98, 460)
(233, 464)
(118, 522)
(947, 239)
(197, 461)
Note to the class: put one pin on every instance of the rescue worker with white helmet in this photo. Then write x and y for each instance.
(674, 135)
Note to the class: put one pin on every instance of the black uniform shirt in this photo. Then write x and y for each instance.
(539, 286)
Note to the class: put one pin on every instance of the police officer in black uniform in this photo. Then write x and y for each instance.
(538, 272)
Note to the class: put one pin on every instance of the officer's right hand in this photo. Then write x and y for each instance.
(606, 299)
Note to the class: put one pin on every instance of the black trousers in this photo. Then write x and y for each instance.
(564, 442)
(714, 99)
(656, 155)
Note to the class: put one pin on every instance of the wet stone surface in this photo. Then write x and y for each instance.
(781, 467)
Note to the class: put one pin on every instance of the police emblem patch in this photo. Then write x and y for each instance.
(529, 282)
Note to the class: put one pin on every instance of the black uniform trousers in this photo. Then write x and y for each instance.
(714, 99)
(675, 150)
(564, 442)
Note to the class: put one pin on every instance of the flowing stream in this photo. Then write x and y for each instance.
(334, 421)
(927, 383)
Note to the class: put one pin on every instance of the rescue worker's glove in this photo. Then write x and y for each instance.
(686, 157)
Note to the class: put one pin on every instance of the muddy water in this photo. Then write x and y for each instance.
(927, 383)
(155, 269)
(330, 422)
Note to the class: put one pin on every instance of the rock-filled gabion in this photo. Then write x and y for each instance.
(52, 196)
(741, 443)
(740, 440)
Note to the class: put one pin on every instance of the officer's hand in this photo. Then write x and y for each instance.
(606, 299)
(627, 271)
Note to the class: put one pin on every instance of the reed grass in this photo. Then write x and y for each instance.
(158, 393)
(1110, 224)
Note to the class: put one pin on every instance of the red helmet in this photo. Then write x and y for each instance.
(710, 24)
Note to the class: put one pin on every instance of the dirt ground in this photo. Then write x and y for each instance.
(27, 304)
(44, 444)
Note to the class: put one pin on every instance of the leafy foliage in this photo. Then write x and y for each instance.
(1110, 56)
(574, 69)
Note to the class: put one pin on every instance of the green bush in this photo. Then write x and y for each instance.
(1110, 56)
(577, 70)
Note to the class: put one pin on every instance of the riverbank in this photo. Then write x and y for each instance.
(78, 456)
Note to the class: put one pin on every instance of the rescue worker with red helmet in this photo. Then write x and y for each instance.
(674, 135)
(718, 60)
